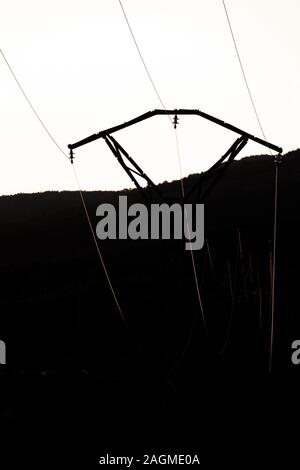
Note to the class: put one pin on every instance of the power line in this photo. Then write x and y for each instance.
(189, 236)
(178, 152)
(78, 185)
(32, 107)
(275, 193)
(99, 251)
(273, 271)
(243, 70)
(141, 56)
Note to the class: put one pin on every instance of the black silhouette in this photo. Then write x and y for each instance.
(72, 369)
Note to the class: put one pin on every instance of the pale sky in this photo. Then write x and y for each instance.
(78, 65)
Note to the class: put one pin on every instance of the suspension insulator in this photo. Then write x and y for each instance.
(278, 159)
(175, 121)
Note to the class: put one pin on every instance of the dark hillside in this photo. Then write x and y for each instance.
(49, 259)
(80, 371)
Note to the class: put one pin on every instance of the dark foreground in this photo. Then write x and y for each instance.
(227, 420)
(77, 386)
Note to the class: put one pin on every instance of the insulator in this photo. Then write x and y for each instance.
(175, 121)
(278, 159)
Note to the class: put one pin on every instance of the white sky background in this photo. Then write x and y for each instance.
(77, 63)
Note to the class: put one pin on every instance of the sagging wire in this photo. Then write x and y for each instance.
(277, 160)
(174, 123)
(77, 182)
